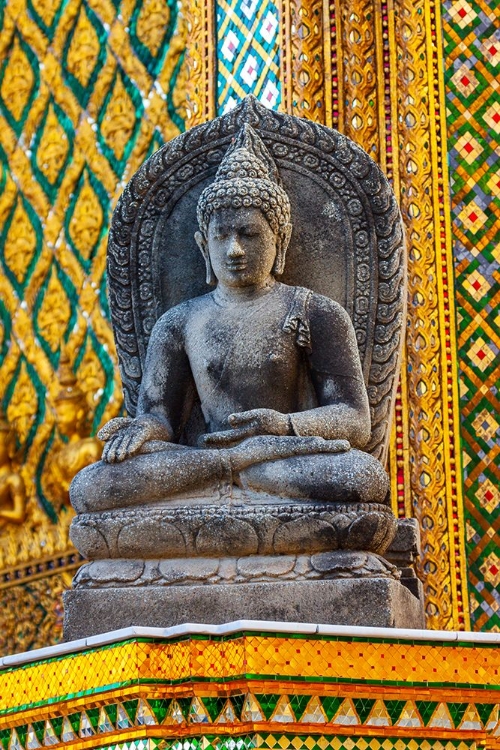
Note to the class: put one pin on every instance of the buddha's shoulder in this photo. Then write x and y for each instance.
(177, 317)
(318, 304)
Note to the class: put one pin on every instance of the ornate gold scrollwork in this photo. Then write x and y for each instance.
(358, 74)
(201, 47)
(432, 399)
(303, 67)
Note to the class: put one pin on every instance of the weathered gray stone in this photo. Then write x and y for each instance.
(278, 565)
(237, 525)
(259, 410)
(344, 564)
(380, 602)
(232, 570)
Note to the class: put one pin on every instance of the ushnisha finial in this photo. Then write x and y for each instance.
(247, 177)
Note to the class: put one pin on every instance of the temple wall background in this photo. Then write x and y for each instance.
(89, 88)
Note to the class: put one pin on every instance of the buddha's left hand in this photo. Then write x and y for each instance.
(248, 423)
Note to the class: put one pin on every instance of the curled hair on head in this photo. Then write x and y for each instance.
(248, 177)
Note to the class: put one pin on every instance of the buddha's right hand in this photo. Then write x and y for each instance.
(125, 437)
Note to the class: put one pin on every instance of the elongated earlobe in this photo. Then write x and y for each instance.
(281, 248)
(202, 244)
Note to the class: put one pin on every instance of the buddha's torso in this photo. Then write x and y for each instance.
(241, 358)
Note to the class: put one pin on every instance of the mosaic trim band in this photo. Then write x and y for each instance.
(472, 48)
(261, 690)
(248, 53)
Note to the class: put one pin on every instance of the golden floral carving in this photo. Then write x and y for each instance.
(357, 61)
(429, 395)
(21, 241)
(199, 62)
(84, 49)
(46, 9)
(119, 120)
(152, 21)
(12, 489)
(23, 406)
(54, 312)
(32, 613)
(303, 65)
(18, 81)
(53, 147)
(86, 222)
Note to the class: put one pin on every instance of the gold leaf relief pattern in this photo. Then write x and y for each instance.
(18, 81)
(151, 23)
(119, 120)
(92, 374)
(303, 66)
(20, 242)
(84, 49)
(33, 613)
(358, 69)
(47, 9)
(199, 62)
(429, 394)
(86, 222)
(57, 187)
(23, 406)
(53, 147)
(54, 312)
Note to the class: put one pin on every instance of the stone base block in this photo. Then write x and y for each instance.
(374, 602)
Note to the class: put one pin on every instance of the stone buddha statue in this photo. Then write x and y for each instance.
(248, 480)
(276, 369)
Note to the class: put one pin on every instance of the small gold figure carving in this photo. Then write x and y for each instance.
(79, 451)
(12, 489)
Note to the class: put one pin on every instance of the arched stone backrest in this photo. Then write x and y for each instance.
(347, 241)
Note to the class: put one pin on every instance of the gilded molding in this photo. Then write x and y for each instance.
(430, 360)
(200, 61)
(383, 63)
(359, 74)
(303, 70)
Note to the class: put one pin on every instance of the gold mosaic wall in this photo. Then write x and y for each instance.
(88, 88)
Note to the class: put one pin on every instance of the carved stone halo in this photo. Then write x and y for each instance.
(347, 241)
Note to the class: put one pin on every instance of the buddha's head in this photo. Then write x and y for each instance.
(69, 403)
(244, 216)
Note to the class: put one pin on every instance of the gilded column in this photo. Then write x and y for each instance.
(305, 64)
(430, 389)
(200, 61)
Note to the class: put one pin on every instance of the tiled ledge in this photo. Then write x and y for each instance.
(295, 628)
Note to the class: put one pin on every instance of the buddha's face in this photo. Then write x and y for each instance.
(242, 246)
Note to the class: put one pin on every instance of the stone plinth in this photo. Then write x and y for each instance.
(382, 602)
